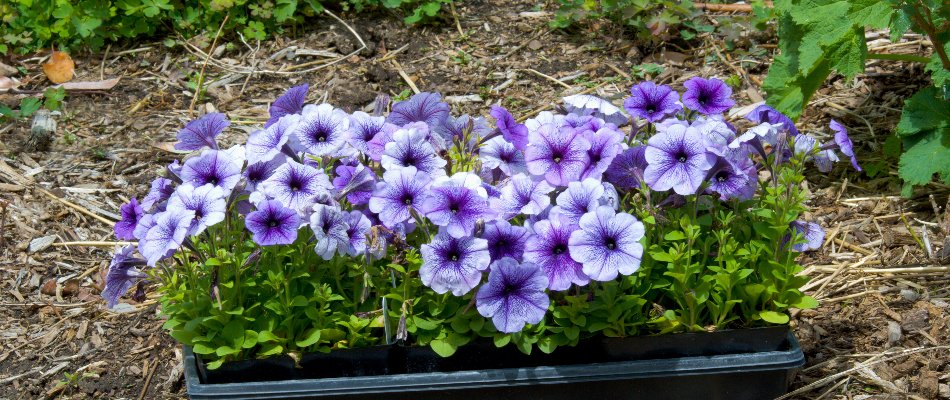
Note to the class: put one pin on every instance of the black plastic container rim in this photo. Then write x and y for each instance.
(544, 375)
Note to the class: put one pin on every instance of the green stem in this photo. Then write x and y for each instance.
(898, 57)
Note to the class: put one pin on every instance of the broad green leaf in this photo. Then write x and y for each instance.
(284, 10)
(309, 338)
(924, 111)
(774, 317)
(29, 106)
(924, 155)
(442, 347)
(807, 302)
(875, 14)
(202, 348)
(501, 339)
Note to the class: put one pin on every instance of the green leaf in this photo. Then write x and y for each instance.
(53, 98)
(202, 348)
(875, 14)
(309, 338)
(501, 339)
(807, 302)
(924, 155)
(443, 347)
(285, 10)
(29, 106)
(774, 317)
(424, 324)
(675, 235)
(923, 112)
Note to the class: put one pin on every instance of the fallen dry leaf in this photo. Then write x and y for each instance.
(94, 85)
(60, 67)
(7, 83)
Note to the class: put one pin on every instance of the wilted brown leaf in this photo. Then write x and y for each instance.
(60, 67)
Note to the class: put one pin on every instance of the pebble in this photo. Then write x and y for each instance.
(893, 333)
(910, 294)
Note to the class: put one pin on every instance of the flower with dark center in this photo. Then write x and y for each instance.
(321, 131)
(295, 185)
(131, 214)
(265, 144)
(505, 240)
(579, 199)
(291, 102)
(363, 128)
(410, 148)
(514, 295)
(166, 234)
(272, 224)
(451, 264)
(423, 107)
(677, 159)
(707, 96)
(514, 133)
(500, 153)
(652, 102)
(400, 191)
(457, 203)
(607, 244)
(330, 230)
(256, 173)
(558, 154)
(216, 167)
(548, 248)
(525, 195)
(605, 144)
(357, 182)
(626, 170)
(358, 228)
(207, 201)
(122, 275)
(735, 178)
(202, 132)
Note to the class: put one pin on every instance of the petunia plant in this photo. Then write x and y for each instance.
(330, 230)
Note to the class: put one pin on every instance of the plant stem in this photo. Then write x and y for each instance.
(898, 57)
(927, 26)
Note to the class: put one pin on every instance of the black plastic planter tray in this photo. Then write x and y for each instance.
(753, 364)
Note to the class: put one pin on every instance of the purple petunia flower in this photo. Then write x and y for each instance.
(377, 146)
(401, 190)
(733, 179)
(207, 201)
(272, 224)
(215, 167)
(410, 148)
(265, 144)
(122, 275)
(558, 154)
(505, 240)
(329, 230)
(256, 173)
(626, 170)
(423, 107)
(549, 248)
(812, 234)
(524, 195)
(844, 143)
(131, 214)
(322, 130)
(295, 185)
(677, 159)
(514, 295)
(464, 129)
(652, 102)
(500, 153)
(605, 143)
(805, 145)
(166, 234)
(764, 113)
(457, 203)
(607, 244)
(202, 132)
(161, 189)
(580, 198)
(363, 128)
(586, 104)
(358, 228)
(707, 96)
(291, 102)
(356, 182)
(511, 130)
(453, 264)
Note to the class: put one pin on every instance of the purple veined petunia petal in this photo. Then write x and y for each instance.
(377, 146)
(825, 160)
(605, 144)
(677, 159)
(716, 132)
(514, 295)
(764, 113)
(511, 130)
(580, 198)
(586, 104)
(805, 145)
(363, 128)
(410, 148)
(558, 154)
(161, 189)
(145, 223)
(523, 195)
(291, 102)
(358, 228)
(322, 130)
(652, 102)
(256, 173)
(463, 129)
(122, 275)
(549, 248)
(765, 133)
(202, 132)
(545, 118)
(607, 244)
(131, 214)
(265, 144)
(457, 203)
(844, 143)
(400, 190)
(208, 203)
(812, 234)
(329, 230)
(500, 153)
(357, 182)
(505, 240)
(166, 235)
(423, 107)
(215, 167)
(451, 264)
(707, 96)
(626, 170)
(296, 186)
(272, 224)
(733, 178)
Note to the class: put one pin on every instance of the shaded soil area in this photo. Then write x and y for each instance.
(881, 332)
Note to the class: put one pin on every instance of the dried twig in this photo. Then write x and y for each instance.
(78, 208)
(405, 77)
(201, 75)
(548, 77)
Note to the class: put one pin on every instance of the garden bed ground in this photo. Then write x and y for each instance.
(882, 331)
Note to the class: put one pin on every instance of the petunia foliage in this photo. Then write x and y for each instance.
(330, 230)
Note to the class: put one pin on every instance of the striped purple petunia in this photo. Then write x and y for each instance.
(131, 214)
(652, 102)
(322, 130)
(677, 159)
(123, 274)
(558, 154)
(451, 264)
(607, 244)
(291, 102)
(548, 247)
(514, 295)
(272, 224)
(707, 96)
(202, 132)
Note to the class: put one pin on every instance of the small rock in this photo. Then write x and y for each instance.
(49, 287)
(41, 243)
(893, 333)
(943, 391)
(910, 294)
(534, 45)
(927, 384)
(915, 319)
